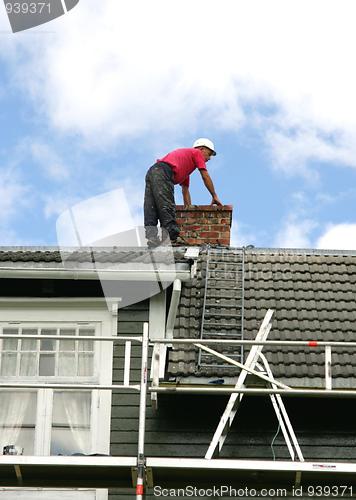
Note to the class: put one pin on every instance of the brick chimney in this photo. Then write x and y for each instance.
(203, 224)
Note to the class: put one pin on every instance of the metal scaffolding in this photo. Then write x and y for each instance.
(120, 470)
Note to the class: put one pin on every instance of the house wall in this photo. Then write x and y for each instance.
(183, 425)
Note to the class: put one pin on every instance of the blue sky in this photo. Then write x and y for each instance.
(90, 100)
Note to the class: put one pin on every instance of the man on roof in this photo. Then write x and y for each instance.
(174, 168)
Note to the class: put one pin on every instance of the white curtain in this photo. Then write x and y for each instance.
(77, 407)
(28, 494)
(13, 407)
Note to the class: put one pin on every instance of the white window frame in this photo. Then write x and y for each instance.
(52, 494)
(97, 326)
(69, 311)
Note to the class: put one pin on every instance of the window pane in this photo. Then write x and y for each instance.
(86, 345)
(85, 365)
(8, 364)
(47, 344)
(29, 344)
(67, 365)
(28, 364)
(87, 331)
(9, 344)
(43, 494)
(67, 345)
(17, 419)
(47, 364)
(26, 439)
(67, 331)
(71, 423)
(10, 331)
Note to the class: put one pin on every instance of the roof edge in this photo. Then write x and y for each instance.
(247, 249)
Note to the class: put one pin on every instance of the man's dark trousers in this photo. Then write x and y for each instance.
(159, 204)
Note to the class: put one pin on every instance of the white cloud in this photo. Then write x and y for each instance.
(295, 233)
(49, 161)
(338, 237)
(290, 152)
(9, 237)
(114, 70)
(13, 194)
(95, 218)
(241, 235)
(56, 203)
(133, 192)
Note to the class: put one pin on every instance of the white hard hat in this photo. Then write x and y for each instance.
(205, 142)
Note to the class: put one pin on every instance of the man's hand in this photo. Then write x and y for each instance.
(216, 201)
(210, 187)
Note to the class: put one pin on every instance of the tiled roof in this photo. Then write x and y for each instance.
(30, 256)
(101, 255)
(314, 298)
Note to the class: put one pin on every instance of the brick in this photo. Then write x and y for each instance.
(205, 208)
(224, 234)
(215, 227)
(202, 224)
(209, 234)
(193, 241)
(224, 242)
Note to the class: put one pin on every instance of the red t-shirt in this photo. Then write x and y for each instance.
(183, 162)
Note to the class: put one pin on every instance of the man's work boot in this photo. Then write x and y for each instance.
(153, 242)
(179, 241)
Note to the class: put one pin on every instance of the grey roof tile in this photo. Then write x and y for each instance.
(102, 255)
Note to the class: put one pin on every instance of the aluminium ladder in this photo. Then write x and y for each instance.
(222, 312)
(233, 404)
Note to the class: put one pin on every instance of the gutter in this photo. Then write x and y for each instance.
(180, 271)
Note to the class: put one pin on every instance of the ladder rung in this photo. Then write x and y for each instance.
(237, 316)
(219, 334)
(227, 306)
(230, 354)
(213, 359)
(217, 287)
(226, 325)
(234, 369)
(225, 366)
(229, 262)
(224, 279)
(226, 271)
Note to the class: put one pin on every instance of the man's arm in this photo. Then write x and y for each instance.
(210, 187)
(186, 196)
